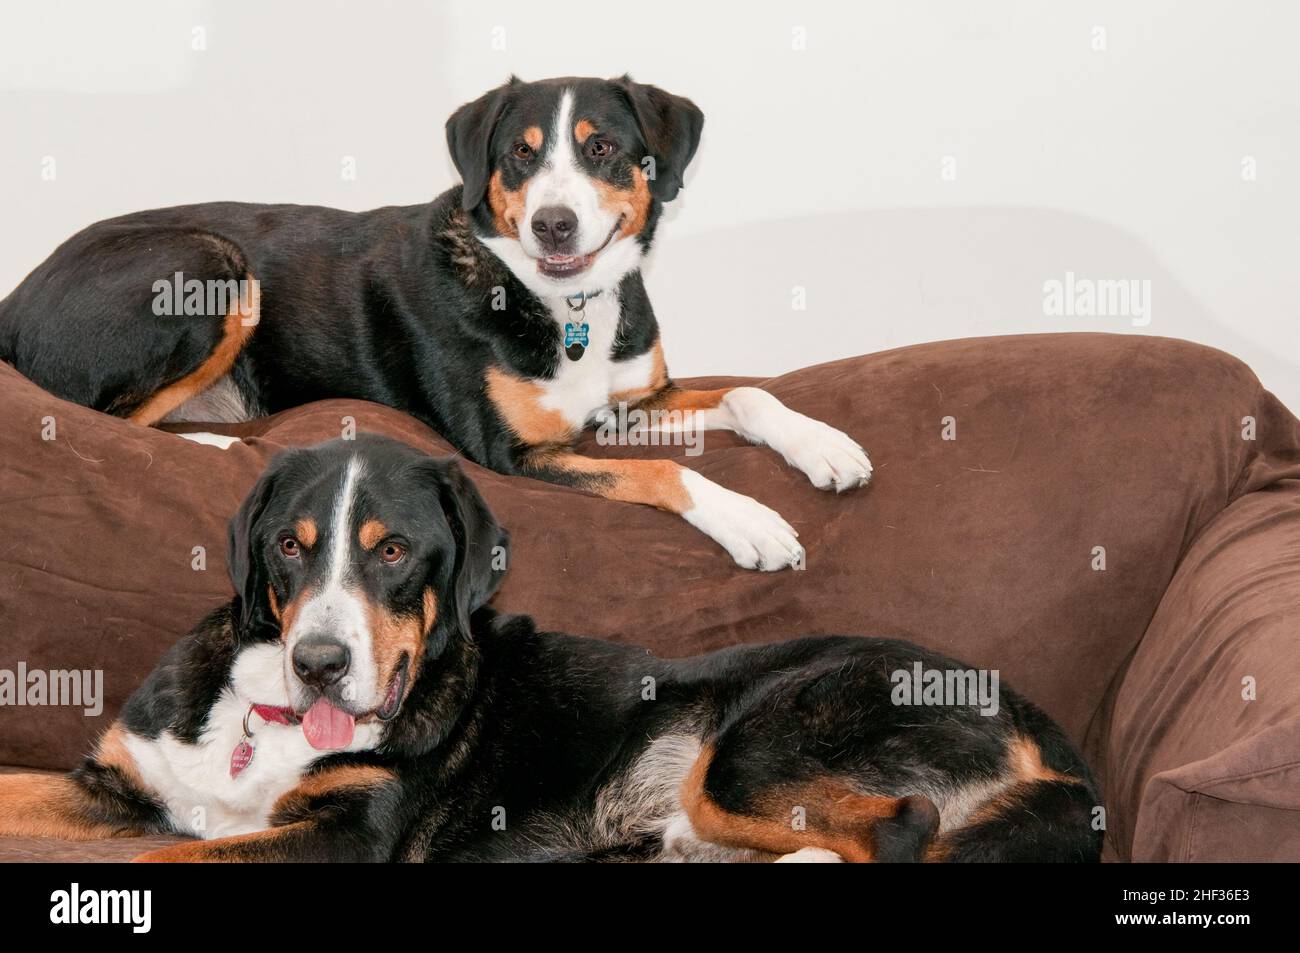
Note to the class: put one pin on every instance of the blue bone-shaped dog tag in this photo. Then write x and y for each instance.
(575, 339)
(576, 334)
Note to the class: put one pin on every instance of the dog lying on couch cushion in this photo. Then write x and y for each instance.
(507, 314)
(397, 718)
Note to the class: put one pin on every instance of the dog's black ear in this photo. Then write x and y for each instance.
(469, 139)
(247, 563)
(482, 545)
(670, 126)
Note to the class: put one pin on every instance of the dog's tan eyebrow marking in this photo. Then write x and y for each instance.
(533, 136)
(584, 130)
(372, 532)
(306, 531)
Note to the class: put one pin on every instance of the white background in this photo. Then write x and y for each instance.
(821, 167)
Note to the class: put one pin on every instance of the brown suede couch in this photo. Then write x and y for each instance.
(1176, 666)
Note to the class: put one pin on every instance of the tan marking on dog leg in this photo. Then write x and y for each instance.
(1026, 761)
(331, 781)
(239, 325)
(1025, 770)
(656, 483)
(687, 400)
(112, 752)
(39, 805)
(518, 402)
(274, 845)
(836, 818)
(655, 385)
(299, 828)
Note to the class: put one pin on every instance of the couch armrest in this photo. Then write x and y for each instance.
(1203, 761)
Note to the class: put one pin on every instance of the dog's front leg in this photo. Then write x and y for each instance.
(104, 797)
(348, 813)
(755, 536)
(70, 808)
(830, 458)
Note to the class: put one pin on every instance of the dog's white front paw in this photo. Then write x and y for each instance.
(831, 458)
(810, 855)
(755, 536)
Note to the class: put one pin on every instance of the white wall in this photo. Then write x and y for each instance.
(821, 167)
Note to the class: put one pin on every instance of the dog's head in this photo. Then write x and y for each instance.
(565, 178)
(365, 557)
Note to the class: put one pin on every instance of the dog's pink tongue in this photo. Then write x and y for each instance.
(326, 727)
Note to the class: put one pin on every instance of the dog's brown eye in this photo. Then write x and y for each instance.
(392, 552)
(522, 150)
(289, 547)
(601, 149)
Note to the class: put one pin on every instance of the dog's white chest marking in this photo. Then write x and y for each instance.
(193, 780)
(582, 390)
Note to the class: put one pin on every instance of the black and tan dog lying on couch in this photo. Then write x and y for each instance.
(358, 701)
(508, 313)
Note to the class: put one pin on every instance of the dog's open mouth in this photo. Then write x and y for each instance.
(329, 728)
(566, 266)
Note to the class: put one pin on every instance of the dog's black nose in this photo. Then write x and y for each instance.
(320, 662)
(554, 225)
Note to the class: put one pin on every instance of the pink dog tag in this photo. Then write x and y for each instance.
(240, 757)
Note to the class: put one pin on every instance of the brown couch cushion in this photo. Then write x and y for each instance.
(1205, 731)
(980, 547)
